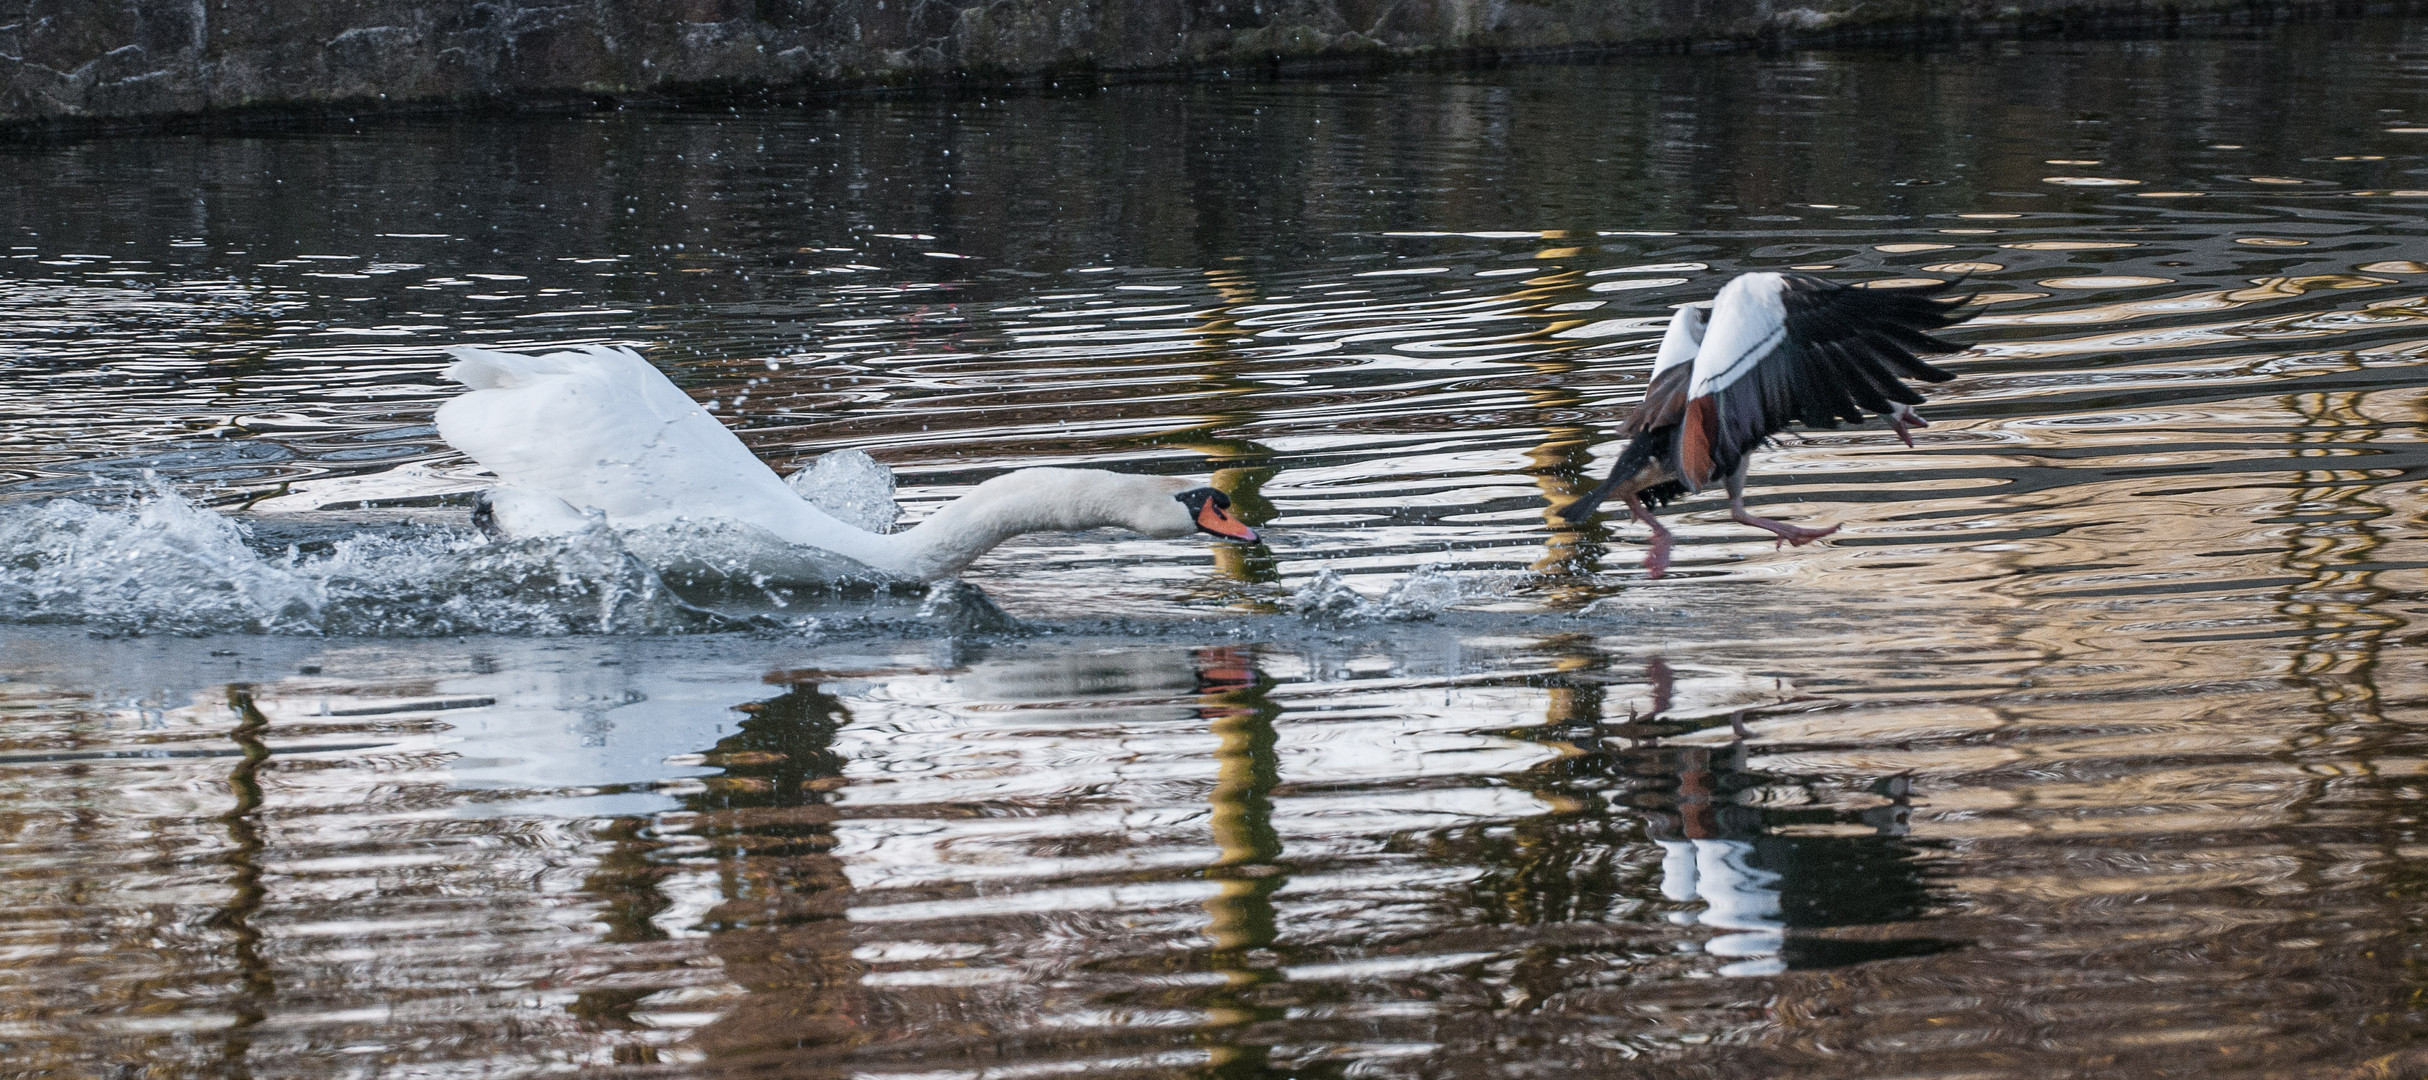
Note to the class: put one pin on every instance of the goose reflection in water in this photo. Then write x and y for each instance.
(1781, 901)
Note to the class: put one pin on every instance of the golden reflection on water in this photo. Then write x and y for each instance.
(1240, 920)
(2090, 747)
(1410, 848)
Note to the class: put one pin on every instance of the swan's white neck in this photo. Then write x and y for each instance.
(1031, 500)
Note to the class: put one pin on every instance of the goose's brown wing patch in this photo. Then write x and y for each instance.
(1664, 402)
(1697, 441)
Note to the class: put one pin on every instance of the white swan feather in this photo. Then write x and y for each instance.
(599, 431)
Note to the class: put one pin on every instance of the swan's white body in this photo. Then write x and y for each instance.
(600, 431)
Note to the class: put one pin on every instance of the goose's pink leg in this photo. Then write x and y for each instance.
(1656, 563)
(1905, 417)
(1787, 534)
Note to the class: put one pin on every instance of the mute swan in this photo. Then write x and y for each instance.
(599, 430)
(1779, 349)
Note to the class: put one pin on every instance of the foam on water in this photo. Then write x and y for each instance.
(1428, 591)
(165, 565)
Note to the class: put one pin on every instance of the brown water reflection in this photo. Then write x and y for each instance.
(1426, 853)
(2090, 748)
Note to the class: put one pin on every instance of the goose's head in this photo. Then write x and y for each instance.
(1209, 512)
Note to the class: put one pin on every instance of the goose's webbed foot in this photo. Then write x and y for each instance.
(1787, 534)
(1904, 419)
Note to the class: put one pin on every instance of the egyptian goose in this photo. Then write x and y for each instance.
(1778, 349)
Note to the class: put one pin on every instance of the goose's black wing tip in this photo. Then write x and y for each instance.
(1830, 309)
(1957, 306)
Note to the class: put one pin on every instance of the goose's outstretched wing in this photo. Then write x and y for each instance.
(1789, 348)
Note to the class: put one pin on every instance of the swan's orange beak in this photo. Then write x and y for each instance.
(1211, 509)
(1216, 520)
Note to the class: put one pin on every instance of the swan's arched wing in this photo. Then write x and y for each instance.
(1788, 348)
(601, 428)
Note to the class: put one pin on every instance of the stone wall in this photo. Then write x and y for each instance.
(75, 62)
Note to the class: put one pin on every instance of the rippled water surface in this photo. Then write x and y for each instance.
(2090, 747)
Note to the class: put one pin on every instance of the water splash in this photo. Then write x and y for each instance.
(856, 489)
(165, 565)
(1426, 592)
(958, 607)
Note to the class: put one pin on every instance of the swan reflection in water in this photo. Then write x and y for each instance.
(1772, 894)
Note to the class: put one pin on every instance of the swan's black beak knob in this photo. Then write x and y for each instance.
(1211, 510)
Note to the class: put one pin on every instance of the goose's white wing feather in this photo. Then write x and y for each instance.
(1682, 340)
(1791, 348)
(1748, 322)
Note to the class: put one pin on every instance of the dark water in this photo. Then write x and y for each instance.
(2090, 748)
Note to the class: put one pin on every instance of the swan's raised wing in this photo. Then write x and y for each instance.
(599, 427)
(1788, 348)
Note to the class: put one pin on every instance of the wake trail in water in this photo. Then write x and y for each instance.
(163, 564)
